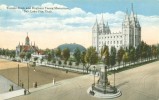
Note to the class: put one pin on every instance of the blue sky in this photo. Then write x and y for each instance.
(75, 24)
(145, 7)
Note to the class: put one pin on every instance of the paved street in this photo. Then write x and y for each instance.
(141, 83)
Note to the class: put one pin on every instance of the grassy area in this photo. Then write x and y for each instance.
(41, 75)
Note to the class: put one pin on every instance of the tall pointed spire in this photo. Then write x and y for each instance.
(96, 23)
(107, 24)
(126, 11)
(132, 18)
(126, 15)
(102, 20)
(132, 8)
(27, 41)
(96, 19)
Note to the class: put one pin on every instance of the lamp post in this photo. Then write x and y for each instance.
(94, 74)
(34, 64)
(105, 77)
(114, 77)
(28, 77)
(18, 74)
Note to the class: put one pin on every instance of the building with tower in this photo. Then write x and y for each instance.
(130, 35)
(27, 47)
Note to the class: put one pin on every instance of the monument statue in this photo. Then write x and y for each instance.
(103, 84)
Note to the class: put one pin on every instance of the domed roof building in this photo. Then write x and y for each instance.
(72, 47)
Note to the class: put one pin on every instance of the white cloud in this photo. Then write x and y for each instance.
(3, 7)
(72, 19)
(53, 5)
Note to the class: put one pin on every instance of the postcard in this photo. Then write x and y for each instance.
(79, 49)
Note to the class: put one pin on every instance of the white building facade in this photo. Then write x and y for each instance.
(130, 35)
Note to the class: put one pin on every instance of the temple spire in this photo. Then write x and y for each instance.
(96, 19)
(126, 11)
(132, 13)
(132, 8)
(96, 23)
(102, 20)
(107, 24)
(126, 15)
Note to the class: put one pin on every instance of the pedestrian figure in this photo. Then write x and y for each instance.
(36, 84)
(24, 91)
(22, 85)
(66, 71)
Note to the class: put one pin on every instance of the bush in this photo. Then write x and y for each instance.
(59, 62)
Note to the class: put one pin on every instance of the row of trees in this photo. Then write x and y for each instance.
(7, 52)
(90, 56)
(129, 55)
(86, 58)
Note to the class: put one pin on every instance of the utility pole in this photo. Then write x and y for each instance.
(28, 78)
(18, 74)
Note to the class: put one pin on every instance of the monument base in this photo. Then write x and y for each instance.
(104, 90)
(107, 95)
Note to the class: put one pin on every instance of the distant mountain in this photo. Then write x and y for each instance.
(72, 47)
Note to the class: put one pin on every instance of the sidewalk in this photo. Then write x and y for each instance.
(5, 85)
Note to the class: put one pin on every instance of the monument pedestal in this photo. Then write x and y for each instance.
(103, 89)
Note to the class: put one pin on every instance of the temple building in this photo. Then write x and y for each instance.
(27, 47)
(129, 36)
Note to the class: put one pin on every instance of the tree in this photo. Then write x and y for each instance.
(22, 55)
(35, 59)
(131, 54)
(7, 52)
(83, 54)
(91, 57)
(149, 52)
(59, 62)
(105, 55)
(70, 63)
(41, 60)
(12, 54)
(138, 52)
(58, 52)
(28, 55)
(113, 56)
(125, 57)
(54, 62)
(0, 51)
(154, 51)
(143, 50)
(77, 54)
(157, 50)
(120, 55)
(66, 54)
(49, 57)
